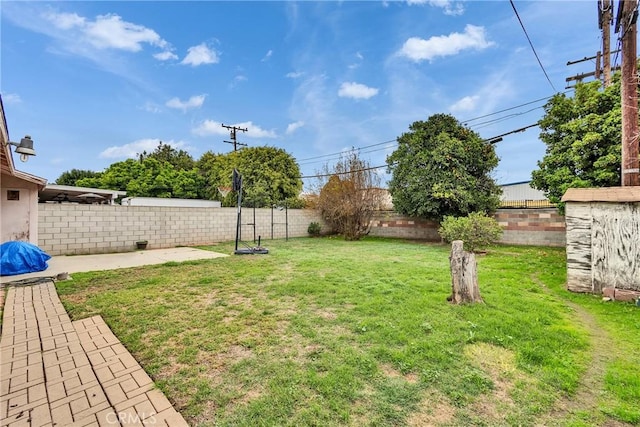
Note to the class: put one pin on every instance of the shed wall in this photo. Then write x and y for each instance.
(603, 246)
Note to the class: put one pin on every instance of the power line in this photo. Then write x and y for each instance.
(337, 156)
(531, 44)
(510, 108)
(344, 173)
(491, 140)
(341, 152)
(503, 118)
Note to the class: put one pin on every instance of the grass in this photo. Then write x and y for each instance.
(332, 333)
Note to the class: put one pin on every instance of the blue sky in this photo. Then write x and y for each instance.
(96, 82)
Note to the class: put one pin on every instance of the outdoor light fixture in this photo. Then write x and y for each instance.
(24, 148)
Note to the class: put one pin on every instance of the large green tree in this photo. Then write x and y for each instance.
(179, 159)
(270, 175)
(442, 168)
(148, 178)
(74, 175)
(583, 136)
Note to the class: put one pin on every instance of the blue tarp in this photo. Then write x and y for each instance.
(21, 257)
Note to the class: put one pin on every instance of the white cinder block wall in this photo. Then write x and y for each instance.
(67, 229)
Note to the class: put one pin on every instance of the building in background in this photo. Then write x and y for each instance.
(522, 195)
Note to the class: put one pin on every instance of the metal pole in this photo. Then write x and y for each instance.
(239, 219)
(286, 221)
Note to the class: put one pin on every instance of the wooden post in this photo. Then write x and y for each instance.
(464, 275)
(629, 96)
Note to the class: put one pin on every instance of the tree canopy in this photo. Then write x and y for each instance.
(442, 168)
(583, 135)
(270, 175)
(74, 175)
(179, 159)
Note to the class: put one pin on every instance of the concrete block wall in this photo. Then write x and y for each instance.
(391, 224)
(537, 227)
(69, 229)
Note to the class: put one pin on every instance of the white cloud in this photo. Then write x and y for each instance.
(212, 127)
(448, 7)
(200, 54)
(165, 56)
(356, 91)
(195, 101)
(356, 64)
(255, 131)
(11, 98)
(418, 49)
(134, 148)
(238, 79)
(294, 74)
(107, 32)
(267, 56)
(151, 107)
(66, 21)
(292, 127)
(468, 103)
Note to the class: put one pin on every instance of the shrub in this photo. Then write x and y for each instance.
(476, 230)
(314, 229)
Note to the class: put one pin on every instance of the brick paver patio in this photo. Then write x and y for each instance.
(54, 372)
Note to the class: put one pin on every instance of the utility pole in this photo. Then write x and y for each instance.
(605, 8)
(626, 24)
(603, 58)
(233, 130)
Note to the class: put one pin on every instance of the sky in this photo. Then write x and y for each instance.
(97, 82)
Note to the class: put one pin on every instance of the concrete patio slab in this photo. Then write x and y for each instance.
(81, 263)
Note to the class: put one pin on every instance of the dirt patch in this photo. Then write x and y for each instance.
(208, 299)
(326, 314)
(391, 372)
(591, 386)
(434, 410)
(500, 365)
(592, 381)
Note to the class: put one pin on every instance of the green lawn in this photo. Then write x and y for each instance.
(323, 332)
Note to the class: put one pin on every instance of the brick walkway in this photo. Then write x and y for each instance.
(55, 372)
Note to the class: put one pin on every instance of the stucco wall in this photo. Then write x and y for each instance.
(18, 218)
(81, 229)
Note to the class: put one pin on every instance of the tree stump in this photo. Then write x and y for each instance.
(464, 275)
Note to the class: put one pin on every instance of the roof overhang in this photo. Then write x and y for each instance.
(7, 167)
(68, 193)
(604, 194)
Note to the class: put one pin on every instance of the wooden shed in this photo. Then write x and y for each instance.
(603, 241)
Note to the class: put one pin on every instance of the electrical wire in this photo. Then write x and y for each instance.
(336, 155)
(510, 108)
(531, 44)
(491, 140)
(342, 152)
